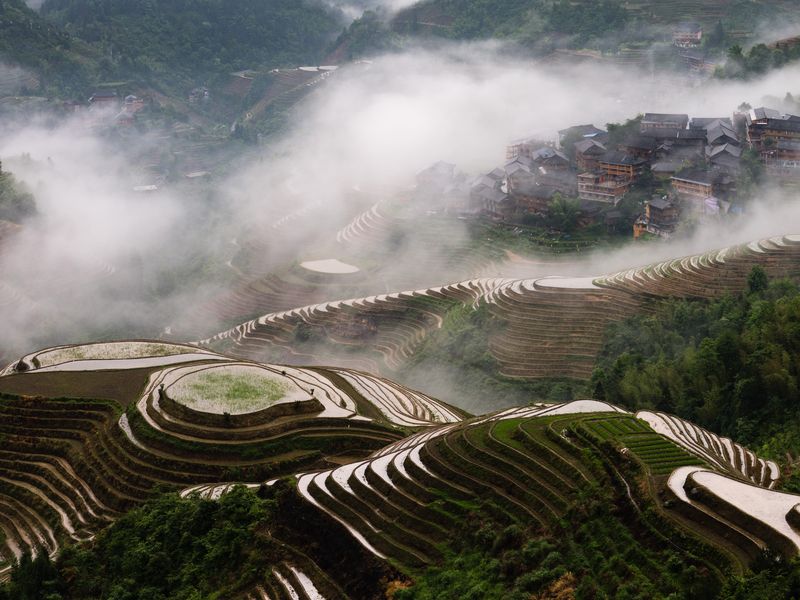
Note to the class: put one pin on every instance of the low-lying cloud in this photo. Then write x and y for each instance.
(355, 8)
(356, 140)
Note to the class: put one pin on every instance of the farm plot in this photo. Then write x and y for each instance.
(716, 450)
(660, 455)
(134, 354)
(234, 389)
(111, 350)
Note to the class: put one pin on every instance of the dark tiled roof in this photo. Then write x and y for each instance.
(515, 166)
(660, 203)
(587, 144)
(485, 181)
(691, 134)
(725, 149)
(583, 130)
(783, 125)
(536, 190)
(688, 27)
(620, 158)
(705, 122)
(662, 133)
(640, 142)
(721, 132)
(547, 153)
(695, 176)
(664, 118)
(765, 113)
(666, 166)
(492, 195)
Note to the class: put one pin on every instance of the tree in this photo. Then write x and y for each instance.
(563, 213)
(16, 203)
(715, 37)
(757, 280)
(618, 132)
(751, 171)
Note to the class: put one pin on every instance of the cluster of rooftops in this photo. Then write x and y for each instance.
(698, 159)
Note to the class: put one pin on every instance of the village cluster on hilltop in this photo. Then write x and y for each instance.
(674, 166)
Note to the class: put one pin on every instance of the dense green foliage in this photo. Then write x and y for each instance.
(483, 18)
(731, 365)
(16, 203)
(26, 39)
(367, 35)
(599, 549)
(563, 213)
(169, 548)
(758, 60)
(188, 41)
(771, 581)
(599, 558)
(587, 20)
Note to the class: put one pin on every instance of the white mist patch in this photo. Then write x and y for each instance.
(329, 265)
(377, 125)
(97, 249)
(355, 8)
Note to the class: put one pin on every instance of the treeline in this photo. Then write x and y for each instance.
(523, 20)
(760, 59)
(592, 19)
(28, 40)
(173, 548)
(185, 42)
(593, 553)
(731, 365)
(170, 548)
(16, 203)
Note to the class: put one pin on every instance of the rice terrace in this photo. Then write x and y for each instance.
(399, 300)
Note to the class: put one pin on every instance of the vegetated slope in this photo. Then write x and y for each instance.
(16, 202)
(179, 548)
(185, 42)
(28, 40)
(383, 244)
(729, 365)
(382, 330)
(552, 327)
(582, 495)
(68, 467)
(526, 20)
(535, 490)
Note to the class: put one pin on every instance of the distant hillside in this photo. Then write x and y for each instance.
(519, 18)
(53, 56)
(16, 203)
(543, 25)
(187, 41)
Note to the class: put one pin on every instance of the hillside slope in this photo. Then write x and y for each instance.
(52, 57)
(405, 488)
(550, 327)
(186, 42)
(69, 466)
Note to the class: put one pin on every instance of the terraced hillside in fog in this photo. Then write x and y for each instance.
(72, 461)
(551, 327)
(388, 471)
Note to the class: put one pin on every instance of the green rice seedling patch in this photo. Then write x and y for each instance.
(658, 454)
(504, 431)
(234, 390)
